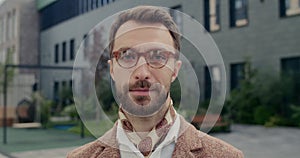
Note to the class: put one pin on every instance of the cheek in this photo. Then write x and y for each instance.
(121, 77)
(165, 78)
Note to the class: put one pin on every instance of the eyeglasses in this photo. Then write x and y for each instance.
(155, 58)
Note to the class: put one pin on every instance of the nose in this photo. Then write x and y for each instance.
(141, 71)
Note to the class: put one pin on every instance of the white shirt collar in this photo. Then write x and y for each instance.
(127, 146)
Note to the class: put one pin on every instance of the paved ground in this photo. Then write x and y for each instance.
(39, 142)
(254, 141)
(3, 155)
(261, 142)
(49, 153)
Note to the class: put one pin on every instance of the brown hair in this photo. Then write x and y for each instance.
(146, 14)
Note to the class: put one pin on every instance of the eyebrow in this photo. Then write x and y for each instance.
(144, 49)
(123, 48)
(157, 48)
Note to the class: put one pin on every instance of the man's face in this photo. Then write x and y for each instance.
(142, 89)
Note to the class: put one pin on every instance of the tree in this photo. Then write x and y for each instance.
(10, 72)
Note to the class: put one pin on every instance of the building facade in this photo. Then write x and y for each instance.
(19, 34)
(265, 32)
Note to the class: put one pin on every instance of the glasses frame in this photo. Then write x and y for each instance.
(116, 55)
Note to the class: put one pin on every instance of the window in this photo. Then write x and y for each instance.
(104, 2)
(85, 44)
(8, 26)
(57, 12)
(7, 56)
(207, 82)
(1, 30)
(56, 91)
(72, 49)
(177, 17)
(289, 7)
(237, 74)
(212, 15)
(81, 4)
(2, 56)
(56, 54)
(71, 83)
(64, 84)
(99, 4)
(290, 68)
(64, 55)
(89, 5)
(214, 78)
(93, 4)
(85, 40)
(238, 13)
(13, 25)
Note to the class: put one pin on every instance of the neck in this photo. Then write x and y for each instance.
(139, 123)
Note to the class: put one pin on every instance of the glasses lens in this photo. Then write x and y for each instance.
(127, 58)
(157, 58)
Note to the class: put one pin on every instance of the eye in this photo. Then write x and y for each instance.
(158, 55)
(127, 55)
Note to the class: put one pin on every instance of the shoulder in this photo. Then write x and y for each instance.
(87, 150)
(105, 145)
(207, 146)
(216, 147)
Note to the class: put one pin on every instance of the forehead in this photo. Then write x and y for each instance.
(133, 34)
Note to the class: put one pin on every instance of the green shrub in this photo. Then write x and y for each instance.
(175, 92)
(262, 114)
(295, 114)
(275, 93)
(45, 112)
(70, 110)
(242, 103)
(273, 121)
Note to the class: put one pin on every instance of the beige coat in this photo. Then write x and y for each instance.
(191, 143)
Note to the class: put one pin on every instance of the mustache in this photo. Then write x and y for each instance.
(140, 84)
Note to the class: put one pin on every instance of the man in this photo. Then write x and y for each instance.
(144, 62)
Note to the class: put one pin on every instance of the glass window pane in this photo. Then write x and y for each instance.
(292, 7)
(64, 51)
(207, 82)
(72, 49)
(1, 31)
(214, 13)
(238, 13)
(56, 54)
(56, 91)
(237, 74)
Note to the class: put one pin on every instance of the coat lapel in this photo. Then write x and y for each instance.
(109, 141)
(110, 152)
(189, 142)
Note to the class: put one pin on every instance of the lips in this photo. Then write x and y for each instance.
(142, 88)
(140, 91)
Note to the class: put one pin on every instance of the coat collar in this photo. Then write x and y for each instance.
(189, 140)
(187, 143)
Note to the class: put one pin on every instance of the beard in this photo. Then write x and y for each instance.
(142, 105)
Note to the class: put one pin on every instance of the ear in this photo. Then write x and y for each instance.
(176, 70)
(111, 70)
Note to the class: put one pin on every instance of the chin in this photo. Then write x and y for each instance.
(142, 108)
(142, 105)
(142, 100)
